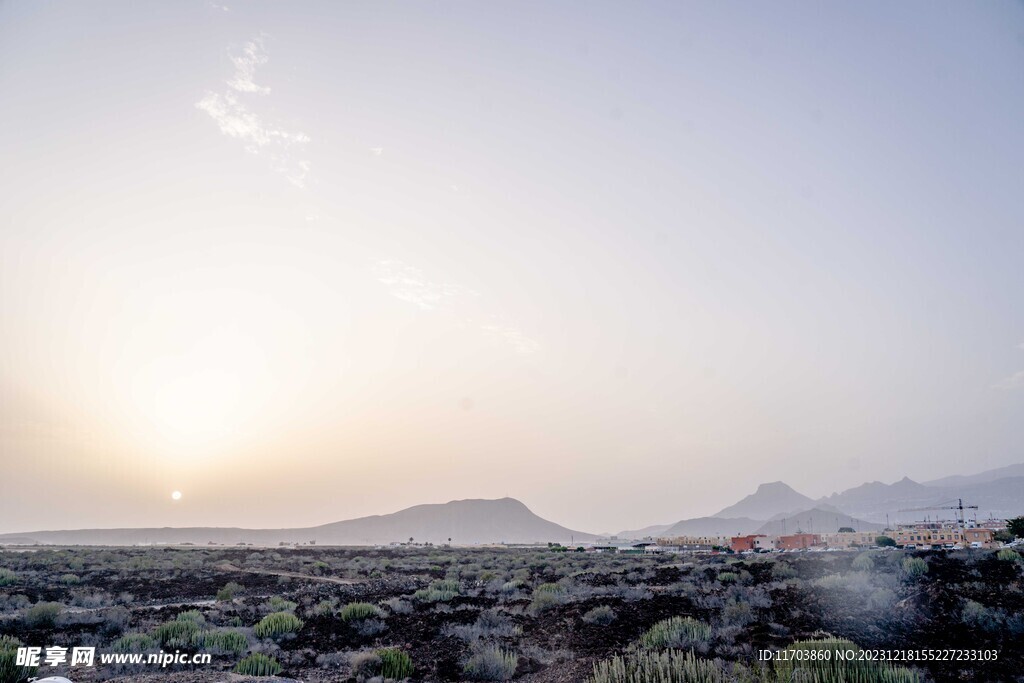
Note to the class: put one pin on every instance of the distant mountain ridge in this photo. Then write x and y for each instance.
(465, 522)
(815, 521)
(1010, 471)
(776, 508)
(713, 526)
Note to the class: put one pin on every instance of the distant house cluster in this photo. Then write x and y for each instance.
(920, 535)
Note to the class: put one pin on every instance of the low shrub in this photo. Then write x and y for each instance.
(277, 624)
(369, 627)
(225, 641)
(229, 590)
(782, 571)
(258, 664)
(601, 616)
(7, 577)
(354, 611)
(193, 615)
(490, 663)
(394, 664)
(398, 605)
(1009, 555)
(42, 614)
(180, 633)
(325, 608)
(10, 670)
(134, 642)
(437, 591)
(863, 562)
(671, 666)
(976, 615)
(677, 632)
(915, 567)
(278, 604)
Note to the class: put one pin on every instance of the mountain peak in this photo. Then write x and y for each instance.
(770, 499)
(775, 486)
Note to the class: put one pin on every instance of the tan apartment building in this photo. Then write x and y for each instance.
(850, 539)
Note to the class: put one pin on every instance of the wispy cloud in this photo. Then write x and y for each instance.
(410, 284)
(510, 335)
(236, 120)
(1014, 381)
(253, 55)
(377, 151)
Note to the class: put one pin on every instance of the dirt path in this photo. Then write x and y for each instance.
(228, 567)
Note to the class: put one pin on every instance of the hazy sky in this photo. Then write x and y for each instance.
(622, 261)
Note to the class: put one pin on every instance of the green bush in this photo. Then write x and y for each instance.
(544, 600)
(279, 604)
(225, 641)
(277, 624)
(229, 590)
(676, 632)
(1009, 555)
(70, 579)
(354, 611)
(42, 614)
(782, 571)
(258, 664)
(863, 562)
(978, 616)
(325, 608)
(10, 672)
(671, 666)
(134, 642)
(7, 577)
(437, 591)
(728, 577)
(490, 663)
(548, 588)
(193, 615)
(885, 542)
(394, 663)
(179, 633)
(915, 567)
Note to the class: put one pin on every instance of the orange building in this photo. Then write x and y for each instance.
(799, 541)
(741, 543)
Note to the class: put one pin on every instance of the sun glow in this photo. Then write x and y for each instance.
(203, 398)
(175, 495)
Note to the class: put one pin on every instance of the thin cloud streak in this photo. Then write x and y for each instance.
(238, 121)
(512, 336)
(1014, 381)
(410, 284)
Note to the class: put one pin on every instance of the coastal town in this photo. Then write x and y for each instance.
(924, 535)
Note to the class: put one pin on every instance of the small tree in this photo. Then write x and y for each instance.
(846, 529)
(1016, 526)
(885, 542)
(1003, 536)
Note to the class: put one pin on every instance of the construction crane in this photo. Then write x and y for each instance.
(959, 506)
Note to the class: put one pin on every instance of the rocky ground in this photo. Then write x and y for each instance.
(535, 604)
